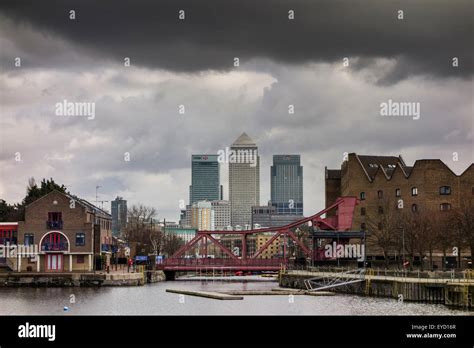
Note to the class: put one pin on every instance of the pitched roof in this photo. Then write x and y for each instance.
(371, 164)
(83, 202)
(244, 141)
(388, 164)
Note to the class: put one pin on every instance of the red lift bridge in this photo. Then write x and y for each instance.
(340, 221)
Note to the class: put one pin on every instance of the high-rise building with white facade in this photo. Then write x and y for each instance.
(244, 180)
(221, 214)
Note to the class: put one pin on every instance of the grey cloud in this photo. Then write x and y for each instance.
(215, 32)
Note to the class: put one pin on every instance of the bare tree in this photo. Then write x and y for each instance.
(171, 243)
(413, 226)
(443, 223)
(384, 226)
(156, 240)
(463, 218)
(142, 229)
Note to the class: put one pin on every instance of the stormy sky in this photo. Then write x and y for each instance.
(190, 62)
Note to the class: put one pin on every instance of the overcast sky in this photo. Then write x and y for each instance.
(190, 62)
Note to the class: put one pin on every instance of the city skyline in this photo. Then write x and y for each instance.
(159, 101)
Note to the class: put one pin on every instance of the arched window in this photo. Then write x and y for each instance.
(54, 241)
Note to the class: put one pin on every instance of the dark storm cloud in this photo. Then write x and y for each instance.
(214, 32)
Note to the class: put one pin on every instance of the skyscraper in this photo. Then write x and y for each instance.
(244, 180)
(205, 179)
(287, 184)
(119, 215)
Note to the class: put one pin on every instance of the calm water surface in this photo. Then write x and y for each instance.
(153, 300)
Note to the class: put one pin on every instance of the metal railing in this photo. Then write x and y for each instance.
(213, 262)
(50, 224)
(63, 246)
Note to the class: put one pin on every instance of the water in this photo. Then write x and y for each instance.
(152, 299)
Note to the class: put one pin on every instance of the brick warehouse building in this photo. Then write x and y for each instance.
(383, 182)
(71, 233)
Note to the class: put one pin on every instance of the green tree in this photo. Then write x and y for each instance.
(33, 192)
(16, 212)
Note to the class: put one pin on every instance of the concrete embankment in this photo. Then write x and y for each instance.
(14, 279)
(450, 292)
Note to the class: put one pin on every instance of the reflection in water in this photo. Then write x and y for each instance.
(153, 300)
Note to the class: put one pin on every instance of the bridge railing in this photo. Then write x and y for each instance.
(213, 262)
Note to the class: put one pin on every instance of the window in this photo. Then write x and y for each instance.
(445, 190)
(380, 209)
(55, 220)
(414, 191)
(444, 206)
(398, 193)
(362, 196)
(80, 239)
(54, 216)
(414, 208)
(80, 258)
(362, 211)
(29, 239)
(380, 226)
(379, 194)
(362, 226)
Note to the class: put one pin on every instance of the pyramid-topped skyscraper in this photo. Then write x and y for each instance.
(244, 180)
